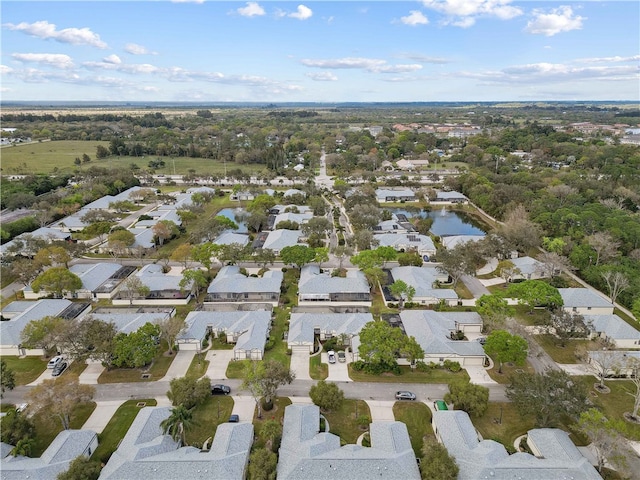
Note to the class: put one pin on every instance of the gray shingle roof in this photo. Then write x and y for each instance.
(278, 239)
(528, 265)
(450, 241)
(313, 282)
(130, 322)
(230, 280)
(582, 297)
(613, 326)
(10, 330)
(423, 280)
(153, 277)
(442, 195)
(383, 193)
(307, 454)
(229, 238)
(94, 274)
(405, 241)
(302, 325)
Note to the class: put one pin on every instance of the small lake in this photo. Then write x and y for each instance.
(445, 222)
(235, 214)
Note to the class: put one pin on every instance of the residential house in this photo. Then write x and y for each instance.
(232, 286)
(241, 196)
(65, 448)
(614, 363)
(230, 238)
(450, 197)
(316, 286)
(278, 209)
(164, 288)
(45, 234)
(18, 314)
(292, 192)
(146, 453)
(413, 164)
(299, 218)
(613, 328)
(585, 301)
(434, 332)
(127, 320)
(407, 242)
(276, 240)
(555, 457)
(399, 224)
(424, 280)
(304, 327)
(247, 330)
(528, 269)
(395, 195)
(308, 453)
(451, 241)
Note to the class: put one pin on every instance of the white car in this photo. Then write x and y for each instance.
(55, 361)
(332, 356)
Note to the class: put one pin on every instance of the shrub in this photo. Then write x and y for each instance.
(451, 366)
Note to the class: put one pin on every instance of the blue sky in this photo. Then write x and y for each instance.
(323, 51)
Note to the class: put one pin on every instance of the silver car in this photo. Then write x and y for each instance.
(405, 395)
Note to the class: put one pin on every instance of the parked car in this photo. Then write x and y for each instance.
(481, 340)
(234, 418)
(332, 356)
(22, 407)
(342, 357)
(219, 389)
(405, 395)
(59, 368)
(55, 361)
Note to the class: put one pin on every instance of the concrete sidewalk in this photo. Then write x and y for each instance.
(218, 363)
(180, 365)
(101, 415)
(91, 373)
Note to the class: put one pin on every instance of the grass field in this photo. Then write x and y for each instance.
(437, 375)
(343, 422)
(207, 417)
(44, 157)
(47, 427)
(27, 369)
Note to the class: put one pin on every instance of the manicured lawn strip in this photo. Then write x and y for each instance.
(507, 371)
(236, 369)
(157, 370)
(343, 421)
(567, 354)
(407, 376)
(207, 417)
(377, 304)
(198, 366)
(117, 428)
(221, 344)
(277, 414)
(512, 426)
(462, 291)
(631, 321)
(76, 368)
(26, 369)
(48, 427)
(417, 417)
(276, 348)
(318, 370)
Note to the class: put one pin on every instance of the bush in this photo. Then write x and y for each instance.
(451, 366)
(423, 367)
(376, 368)
(331, 344)
(559, 282)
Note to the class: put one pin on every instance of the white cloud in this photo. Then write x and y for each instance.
(131, 68)
(414, 18)
(463, 13)
(616, 59)
(5, 69)
(322, 77)
(252, 9)
(302, 13)
(558, 20)
(56, 60)
(135, 49)
(425, 59)
(373, 65)
(115, 59)
(46, 30)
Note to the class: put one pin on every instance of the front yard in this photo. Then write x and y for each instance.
(436, 375)
(26, 369)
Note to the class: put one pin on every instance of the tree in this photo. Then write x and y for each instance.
(58, 256)
(165, 230)
(342, 252)
(98, 215)
(270, 430)
(262, 465)
(322, 255)
(170, 328)
(535, 293)
(43, 333)
(133, 288)
(86, 338)
(98, 229)
(189, 391)
(203, 253)
(494, 310)
(518, 230)
(180, 420)
(82, 468)
(606, 363)
(264, 257)
(412, 350)
(367, 259)
(605, 246)
(617, 282)
(25, 270)
(120, 241)
(263, 378)
(456, 262)
(194, 278)
(567, 325)
(317, 226)
(7, 378)
(59, 397)
(16, 426)
(402, 292)
(380, 342)
(472, 398)
(554, 264)
(297, 255)
(327, 395)
(57, 281)
(136, 349)
(548, 396)
(608, 441)
(507, 270)
(506, 347)
(437, 463)
(182, 254)
(365, 216)
(410, 259)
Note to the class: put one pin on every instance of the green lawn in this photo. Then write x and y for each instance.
(48, 427)
(207, 417)
(156, 371)
(343, 421)
(505, 432)
(198, 366)
(417, 417)
(277, 414)
(117, 427)
(318, 370)
(508, 369)
(276, 348)
(26, 369)
(236, 369)
(560, 354)
(408, 376)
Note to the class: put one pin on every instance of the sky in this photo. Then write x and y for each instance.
(322, 51)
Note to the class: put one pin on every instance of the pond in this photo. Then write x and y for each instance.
(235, 214)
(445, 222)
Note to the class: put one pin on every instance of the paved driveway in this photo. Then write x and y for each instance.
(479, 376)
(101, 415)
(300, 362)
(180, 365)
(338, 372)
(244, 407)
(381, 410)
(91, 373)
(218, 363)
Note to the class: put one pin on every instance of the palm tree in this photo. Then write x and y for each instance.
(177, 423)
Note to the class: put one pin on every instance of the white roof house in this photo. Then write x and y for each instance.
(407, 242)
(395, 225)
(129, 321)
(529, 267)
(432, 330)
(277, 209)
(423, 279)
(556, 457)
(164, 288)
(293, 191)
(613, 328)
(278, 239)
(145, 453)
(46, 234)
(230, 238)
(66, 447)
(317, 287)
(307, 453)
(451, 241)
(303, 327)
(585, 301)
(395, 195)
(231, 286)
(450, 197)
(248, 330)
(299, 218)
